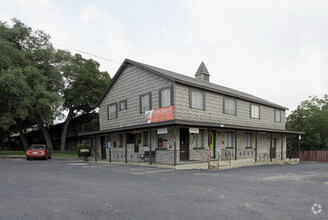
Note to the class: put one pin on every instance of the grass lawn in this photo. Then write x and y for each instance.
(54, 154)
(12, 153)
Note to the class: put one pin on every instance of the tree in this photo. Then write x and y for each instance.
(84, 84)
(29, 80)
(311, 117)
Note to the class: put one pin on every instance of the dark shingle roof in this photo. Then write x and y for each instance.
(202, 70)
(202, 84)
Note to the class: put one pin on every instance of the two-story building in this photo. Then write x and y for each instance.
(180, 118)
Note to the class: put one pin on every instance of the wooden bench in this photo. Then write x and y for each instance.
(146, 155)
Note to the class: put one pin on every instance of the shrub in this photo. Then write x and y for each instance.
(83, 146)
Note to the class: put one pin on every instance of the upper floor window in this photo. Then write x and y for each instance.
(277, 115)
(229, 106)
(197, 100)
(123, 105)
(112, 111)
(248, 140)
(255, 111)
(165, 97)
(145, 102)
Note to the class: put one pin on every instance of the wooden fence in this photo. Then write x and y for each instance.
(314, 155)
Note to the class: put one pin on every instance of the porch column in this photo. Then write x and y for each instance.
(209, 147)
(175, 145)
(126, 148)
(235, 144)
(96, 148)
(282, 146)
(271, 148)
(291, 146)
(299, 147)
(256, 146)
(149, 144)
(110, 149)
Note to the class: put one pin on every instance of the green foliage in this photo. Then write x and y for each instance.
(84, 83)
(30, 79)
(83, 146)
(95, 122)
(311, 116)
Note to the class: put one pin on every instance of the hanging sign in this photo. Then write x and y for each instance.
(162, 131)
(194, 130)
(160, 114)
(108, 144)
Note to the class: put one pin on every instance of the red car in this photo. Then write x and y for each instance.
(40, 151)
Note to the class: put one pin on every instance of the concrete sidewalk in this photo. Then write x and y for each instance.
(187, 165)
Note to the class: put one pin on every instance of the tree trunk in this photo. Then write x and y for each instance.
(45, 133)
(22, 137)
(64, 131)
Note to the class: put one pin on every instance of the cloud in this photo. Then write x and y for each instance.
(276, 50)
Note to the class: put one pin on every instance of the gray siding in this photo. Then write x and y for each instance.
(214, 111)
(132, 83)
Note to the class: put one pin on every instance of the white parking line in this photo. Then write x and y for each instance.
(150, 172)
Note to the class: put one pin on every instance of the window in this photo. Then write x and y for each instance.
(197, 100)
(145, 102)
(229, 139)
(120, 136)
(145, 138)
(165, 97)
(162, 141)
(248, 140)
(277, 115)
(229, 106)
(198, 139)
(255, 111)
(123, 105)
(130, 138)
(112, 113)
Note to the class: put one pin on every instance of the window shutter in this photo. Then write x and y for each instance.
(204, 102)
(171, 103)
(107, 112)
(116, 108)
(190, 99)
(140, 104)
(150, 102)
(160, 98)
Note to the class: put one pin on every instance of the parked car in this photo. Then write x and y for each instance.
(40, 151)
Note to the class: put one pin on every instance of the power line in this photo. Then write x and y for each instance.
(90, 54)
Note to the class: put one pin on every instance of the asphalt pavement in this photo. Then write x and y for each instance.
(74, 189)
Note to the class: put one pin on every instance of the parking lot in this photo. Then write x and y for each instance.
(73, 189)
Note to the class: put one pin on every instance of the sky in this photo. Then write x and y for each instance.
(276, 50)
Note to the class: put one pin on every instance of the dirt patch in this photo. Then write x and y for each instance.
(295, 177)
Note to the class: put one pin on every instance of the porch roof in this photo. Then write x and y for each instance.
(191, 124)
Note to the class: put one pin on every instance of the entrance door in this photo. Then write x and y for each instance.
(212, 144)
(103, 148)
(184, 144)
(137, 141)
(273, 148)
